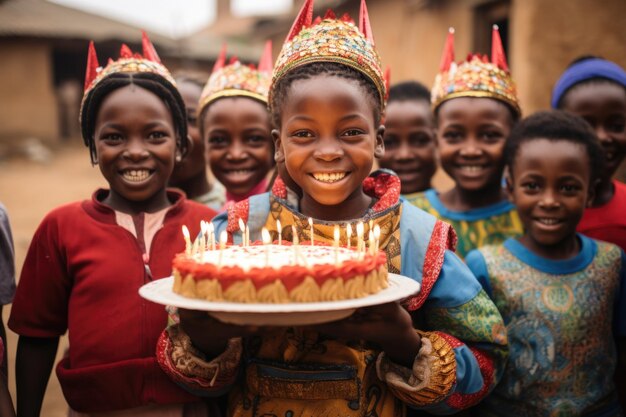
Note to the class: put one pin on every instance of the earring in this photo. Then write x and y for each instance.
(179, 157)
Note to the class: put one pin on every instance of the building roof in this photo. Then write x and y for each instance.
(43, 19)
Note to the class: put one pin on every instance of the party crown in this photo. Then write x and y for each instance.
(331, 40)
(127, 62)
(476, 77)
(236, 79)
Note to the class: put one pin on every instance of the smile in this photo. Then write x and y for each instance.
(548, 221)
(238, 171)
(136, 175)
(471, 169)
(329, 177)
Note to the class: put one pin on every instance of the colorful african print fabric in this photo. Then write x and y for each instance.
(331, 39)
(562, 317)
(489, 225)
(298, 372)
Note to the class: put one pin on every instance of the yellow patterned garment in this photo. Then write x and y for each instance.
(476, 228)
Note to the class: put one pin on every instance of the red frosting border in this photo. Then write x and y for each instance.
(290, 275)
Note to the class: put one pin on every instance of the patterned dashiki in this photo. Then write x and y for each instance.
(299, 372)
(475, 228)
(562, 317)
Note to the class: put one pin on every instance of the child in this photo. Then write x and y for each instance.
(562, 294)
(235, 125)
(7, 289)
(410, 147)
(475, 107)
(595, 89)
(88, 259)
(327, 103)
(191, 174)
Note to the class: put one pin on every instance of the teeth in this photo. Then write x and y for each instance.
(471, 168)
(548, 221)
(136, 175)
(329, 177)
(240, 171)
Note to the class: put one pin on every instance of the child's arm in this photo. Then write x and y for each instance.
(203, 358)
(34, 361)
(464, 346)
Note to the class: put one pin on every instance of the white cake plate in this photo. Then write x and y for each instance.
(287, 314)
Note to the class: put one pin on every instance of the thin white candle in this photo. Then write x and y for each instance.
(267, 239)
(348, 234)
(211, 229)
(294, 243)
(376, 238)
(205, 238)
(280, 232)
(359, 235)
(223, 239)
(370, 241)
(336, 244)
(311, 224)
(187, 240)
(242, 227)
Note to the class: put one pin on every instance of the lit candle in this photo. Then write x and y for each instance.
(359, 235)
(242, 227)
(294, 243)
(376, 238)
(336, 235)
(211, 230)
(370, 241)
(280, 232)
(205, 235)
(348, 234)
(187, 240)
(267, 239)
(311, 224)
(223, 239)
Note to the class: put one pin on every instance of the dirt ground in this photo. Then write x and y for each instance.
(29, 190)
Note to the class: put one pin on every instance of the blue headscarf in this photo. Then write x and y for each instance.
(587, 69)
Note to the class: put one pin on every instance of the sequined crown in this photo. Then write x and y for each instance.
(331, 40)
(238, 80)
(476, 77)
(128, 61)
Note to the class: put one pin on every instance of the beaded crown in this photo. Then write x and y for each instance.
(475, 77)
(331, 40)
(128, 61)
(237, 80)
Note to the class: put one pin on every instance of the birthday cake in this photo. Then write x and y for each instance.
(280, 273)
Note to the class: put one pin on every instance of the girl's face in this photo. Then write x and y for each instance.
(328, 141)
(239, 143)
(550, 188)
(136, 147)
(603, 105)
(471, 135)
(193, 164)
(410, 148)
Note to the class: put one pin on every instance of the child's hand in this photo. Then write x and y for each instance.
(209, 334)
(388, 325)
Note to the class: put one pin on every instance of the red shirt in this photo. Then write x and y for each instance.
(607, 222)
(82, 273)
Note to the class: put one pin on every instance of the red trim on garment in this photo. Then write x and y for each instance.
(240, 210)
(279, 189)
(452, 341)
(487, 370)
(385, 187)
(443, 237)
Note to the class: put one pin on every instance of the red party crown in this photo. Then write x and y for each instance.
(475, 77)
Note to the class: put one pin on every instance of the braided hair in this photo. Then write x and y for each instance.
(154, 83)
(308, 71)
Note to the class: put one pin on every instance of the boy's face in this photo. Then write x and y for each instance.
(471, 136)
(193, 164)
(239, 144)
(136, 146)
(410, 148)
(603, 105)
(328, 140)
(549, 185)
